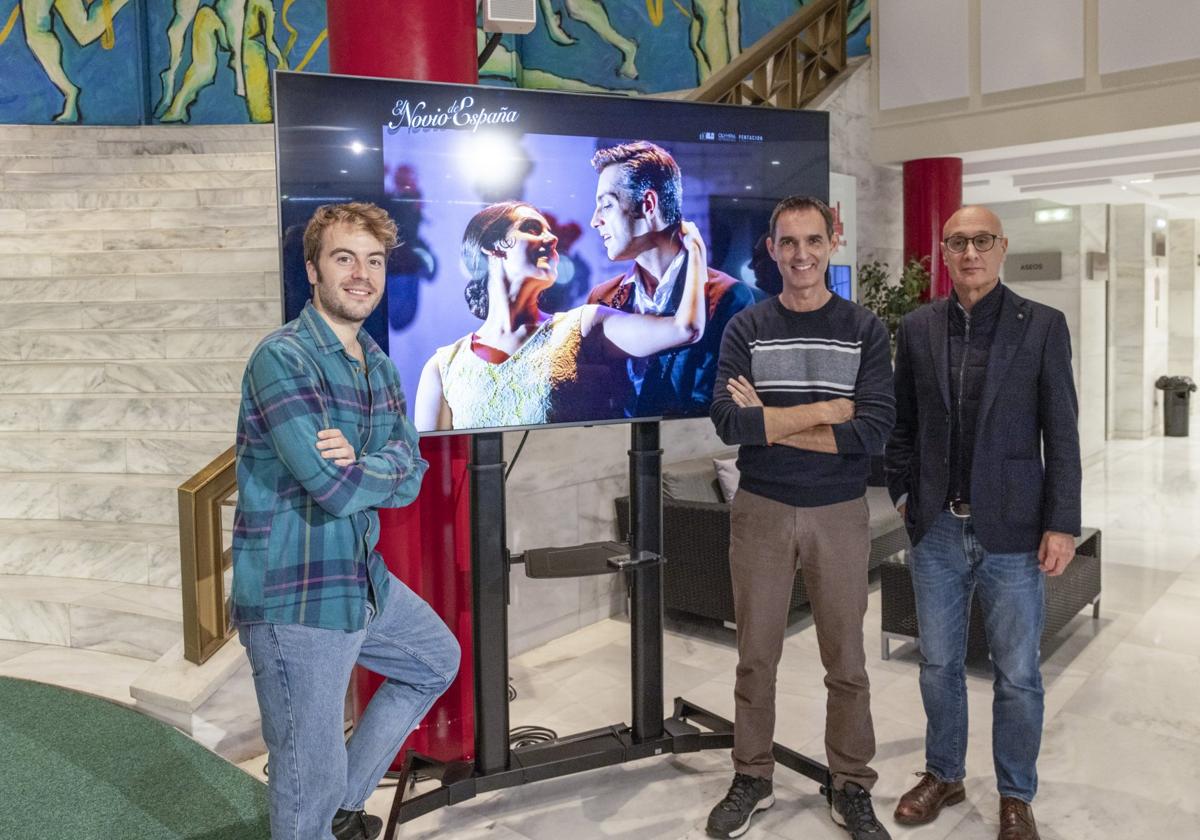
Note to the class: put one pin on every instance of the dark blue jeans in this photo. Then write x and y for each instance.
(947, 566)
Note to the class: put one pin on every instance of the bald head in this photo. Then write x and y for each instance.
(974, 216)
(973, 246)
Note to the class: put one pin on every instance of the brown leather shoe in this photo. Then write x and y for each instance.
(926, 800)
(1016, 820)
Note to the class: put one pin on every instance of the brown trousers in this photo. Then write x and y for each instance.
(830, 545)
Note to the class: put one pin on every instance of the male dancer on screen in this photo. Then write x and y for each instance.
(638, 215)
(322, 441)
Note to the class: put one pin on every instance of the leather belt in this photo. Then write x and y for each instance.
(959, 508)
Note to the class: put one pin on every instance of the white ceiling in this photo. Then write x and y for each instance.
(1159, 166)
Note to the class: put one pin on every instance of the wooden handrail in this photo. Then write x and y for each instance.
(788, 66)
(202, 557)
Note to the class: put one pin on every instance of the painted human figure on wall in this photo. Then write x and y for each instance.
(86, 20)
(592, 13)
(243, 28)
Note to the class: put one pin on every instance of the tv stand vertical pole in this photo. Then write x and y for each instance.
(489, 583)
(645, 581)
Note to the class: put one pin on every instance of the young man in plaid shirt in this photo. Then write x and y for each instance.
(322, 441)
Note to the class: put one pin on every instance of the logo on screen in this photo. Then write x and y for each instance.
(461, 113)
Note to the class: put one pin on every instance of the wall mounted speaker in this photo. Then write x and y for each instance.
(517, 17)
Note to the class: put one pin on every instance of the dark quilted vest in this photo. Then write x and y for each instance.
(970, 336)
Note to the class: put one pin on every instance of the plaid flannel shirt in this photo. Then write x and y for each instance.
(305, 530)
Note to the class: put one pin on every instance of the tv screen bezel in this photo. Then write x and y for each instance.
(370, 189)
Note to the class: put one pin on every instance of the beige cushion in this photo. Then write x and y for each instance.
(727, 476)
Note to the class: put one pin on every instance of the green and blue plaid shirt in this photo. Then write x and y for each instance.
(305, 530)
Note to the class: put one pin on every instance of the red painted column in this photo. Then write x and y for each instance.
(427, 544)
(429, 40)
(932, 192)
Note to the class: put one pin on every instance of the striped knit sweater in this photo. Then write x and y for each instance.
(793, 358)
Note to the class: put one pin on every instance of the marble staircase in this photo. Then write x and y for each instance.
(138, 269)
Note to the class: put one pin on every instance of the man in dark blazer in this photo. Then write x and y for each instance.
(984, 466)
(638, 213)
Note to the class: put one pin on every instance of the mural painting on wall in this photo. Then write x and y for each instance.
(202, 61)
(635, 46)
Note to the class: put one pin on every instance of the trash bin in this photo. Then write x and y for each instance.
(1177, 397)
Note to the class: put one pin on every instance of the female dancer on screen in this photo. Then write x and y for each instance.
(522, 366)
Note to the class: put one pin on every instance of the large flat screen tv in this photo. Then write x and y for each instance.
(564, 258)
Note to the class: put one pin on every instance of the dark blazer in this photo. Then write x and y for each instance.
(1025, 474)
(679, 381)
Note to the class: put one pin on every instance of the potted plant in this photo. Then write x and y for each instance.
(892, 301)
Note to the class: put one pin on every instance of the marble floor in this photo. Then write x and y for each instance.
(1120, 755)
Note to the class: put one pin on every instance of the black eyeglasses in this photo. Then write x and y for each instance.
(982, 241)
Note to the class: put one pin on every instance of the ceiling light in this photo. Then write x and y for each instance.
(357, 147)
(1140, 180)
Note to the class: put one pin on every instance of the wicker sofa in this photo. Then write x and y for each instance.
(696, 539)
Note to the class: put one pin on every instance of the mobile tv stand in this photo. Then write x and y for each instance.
(497, 765)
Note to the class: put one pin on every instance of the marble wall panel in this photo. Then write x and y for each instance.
(28, 498)
(67, 453)
(99, 413)
(40, 316)
(93, 344)
(10, 347)
(177, 456)
(24, 265)
(261, 197)
(62, 289)
(11, 220)
(226, 343)
(246, 259)
(138, 262)
(187, 237)
(167, 199)
(135, 181)
(126, 502)
(233, 286)
(66, 555)
(265, 314)
(123, 634)
(101, 219)
(19, 414)
(213, 414)
(49, 378)
(43, 622)
(32, 200)
(144, 315)
(37, 242)
(180, 376)
(225, 217)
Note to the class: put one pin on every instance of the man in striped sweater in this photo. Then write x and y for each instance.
(804, 387)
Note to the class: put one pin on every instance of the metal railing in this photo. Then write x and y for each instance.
(203, 558)
(788, 66)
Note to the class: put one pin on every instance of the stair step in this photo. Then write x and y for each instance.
(136, 164)
(53, 181)
(238, 286)
(83, 148)
(212, 238)
(144, 376)
(132, 620)
(225, 344)
(153, 453)
(93, 198)
(239, 311)
(95, 497)
(104, 551)
(148, 413)
(143, 219)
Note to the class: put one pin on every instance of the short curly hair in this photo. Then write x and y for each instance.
(358, 214)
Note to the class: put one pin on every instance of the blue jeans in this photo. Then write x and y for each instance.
(300, 676)
(947, 566)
